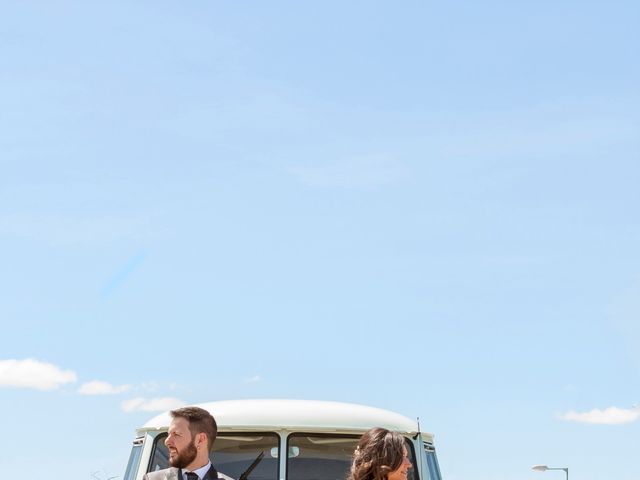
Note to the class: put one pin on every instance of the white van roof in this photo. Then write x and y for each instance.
(298, 415)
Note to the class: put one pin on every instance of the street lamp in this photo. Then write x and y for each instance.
(544, 468)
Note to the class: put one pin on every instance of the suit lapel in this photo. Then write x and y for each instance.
(211, 474)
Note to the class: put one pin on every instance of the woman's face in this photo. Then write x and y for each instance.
(400, 473)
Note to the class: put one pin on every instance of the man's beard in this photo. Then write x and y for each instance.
(184, 457)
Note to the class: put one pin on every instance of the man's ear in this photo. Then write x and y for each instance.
(202, 439)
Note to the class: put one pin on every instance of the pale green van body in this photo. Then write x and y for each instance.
(319, 437)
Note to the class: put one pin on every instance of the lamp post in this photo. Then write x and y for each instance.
(544, 468)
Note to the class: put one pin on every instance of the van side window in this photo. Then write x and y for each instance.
(233, 455)
(432, 462)
(134, 460)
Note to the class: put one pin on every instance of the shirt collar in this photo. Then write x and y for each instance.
(201, 472)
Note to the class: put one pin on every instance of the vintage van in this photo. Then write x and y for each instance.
(319, 438)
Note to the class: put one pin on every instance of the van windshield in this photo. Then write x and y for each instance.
(326, 457)
(254, 456)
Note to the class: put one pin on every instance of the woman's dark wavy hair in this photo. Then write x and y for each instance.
(378, 453)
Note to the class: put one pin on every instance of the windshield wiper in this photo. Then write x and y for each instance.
(248, 471)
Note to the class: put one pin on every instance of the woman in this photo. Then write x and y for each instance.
(380, 455)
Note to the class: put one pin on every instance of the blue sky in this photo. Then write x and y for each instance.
(430, 207)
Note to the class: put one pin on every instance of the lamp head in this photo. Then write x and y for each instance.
(540, 468)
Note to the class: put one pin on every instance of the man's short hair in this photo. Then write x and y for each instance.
(200, 421)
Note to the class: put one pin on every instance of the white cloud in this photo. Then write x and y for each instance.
(150, 386)
(177, 386)
(31, 373)
(254, 379)
(608, 416)
(151, 404)
(98, 387)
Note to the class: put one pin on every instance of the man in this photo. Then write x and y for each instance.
(191, 435)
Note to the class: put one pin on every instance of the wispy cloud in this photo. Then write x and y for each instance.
(150, 386)
(151, 404)
(178, 386)
(608, 416)
(365, 171)
(31, 373)
(98, 387)
(254, 379)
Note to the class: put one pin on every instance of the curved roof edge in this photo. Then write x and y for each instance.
(296, 414)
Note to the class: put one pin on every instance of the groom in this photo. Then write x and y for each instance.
(191, 435)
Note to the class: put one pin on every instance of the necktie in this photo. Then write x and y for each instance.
(192, 476)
